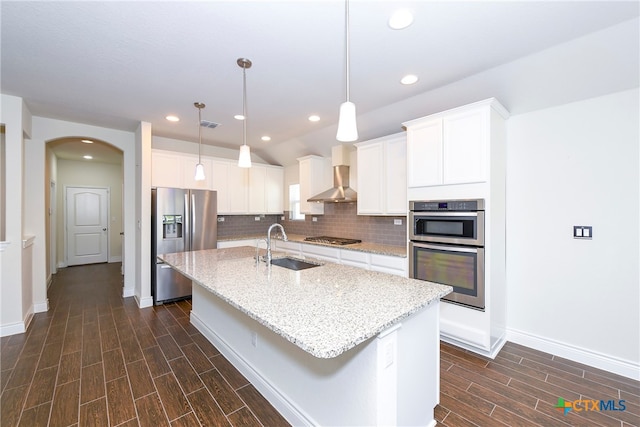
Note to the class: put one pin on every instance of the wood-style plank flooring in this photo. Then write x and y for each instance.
(95, 359)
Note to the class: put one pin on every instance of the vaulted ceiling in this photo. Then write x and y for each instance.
(114, 64)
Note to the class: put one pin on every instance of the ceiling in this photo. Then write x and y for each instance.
(114, 64)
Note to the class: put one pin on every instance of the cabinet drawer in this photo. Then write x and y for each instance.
(354, 256)
(392, 262)
(322, 252)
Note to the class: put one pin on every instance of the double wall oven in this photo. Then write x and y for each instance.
(446, 245)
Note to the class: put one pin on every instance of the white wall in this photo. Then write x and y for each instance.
(576, 164)
(91, 174)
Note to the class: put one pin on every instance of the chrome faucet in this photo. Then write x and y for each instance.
(284, 237)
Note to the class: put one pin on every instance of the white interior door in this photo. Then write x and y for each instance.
(87, 211)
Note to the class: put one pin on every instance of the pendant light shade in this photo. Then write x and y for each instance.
(199, 172)
(347, 127)
(199, 176)
(244, 160)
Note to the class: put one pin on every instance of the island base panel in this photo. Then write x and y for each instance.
(390, 379)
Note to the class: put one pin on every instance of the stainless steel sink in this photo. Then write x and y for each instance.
(293, 263)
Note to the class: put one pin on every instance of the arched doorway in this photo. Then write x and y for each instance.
(80, 162)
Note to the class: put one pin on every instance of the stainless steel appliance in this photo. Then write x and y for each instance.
(332, 240)
(181, 220)
(446, 245)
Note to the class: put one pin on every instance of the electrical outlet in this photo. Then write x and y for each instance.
(282, 218)
(582, 232)
(254, 339)
(256, 218)
(314, 219)
(220, 219)
(397, 222)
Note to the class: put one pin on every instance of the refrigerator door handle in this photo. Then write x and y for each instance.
(193, 219)
(187, 219)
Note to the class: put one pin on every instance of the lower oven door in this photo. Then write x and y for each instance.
(461, 267)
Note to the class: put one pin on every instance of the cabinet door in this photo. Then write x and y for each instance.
(238, 189)
(274, 189)
(465, 147)
(371, 179)
(311, 179)
(166, 170)
(189, 169)
(396, 176)
(220, 183)
(424, 154)
(257, 180)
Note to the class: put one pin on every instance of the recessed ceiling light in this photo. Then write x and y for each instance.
(400, 19)
(238, 117)
(409, 79)
(266, 138)
(87, 141)
(173, 118)
(314, 118)
(88, 157)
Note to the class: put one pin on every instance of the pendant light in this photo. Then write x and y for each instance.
(244, 161)
(199, 168)
(347, 128)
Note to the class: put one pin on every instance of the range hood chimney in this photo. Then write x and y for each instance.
(340, 192)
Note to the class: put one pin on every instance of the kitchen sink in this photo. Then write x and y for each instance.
(293, 263)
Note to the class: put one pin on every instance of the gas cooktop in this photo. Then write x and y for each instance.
(332, 240)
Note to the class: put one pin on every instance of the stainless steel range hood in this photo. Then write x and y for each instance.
(340, 192)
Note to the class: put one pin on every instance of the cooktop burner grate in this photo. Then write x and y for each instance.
(332, 240)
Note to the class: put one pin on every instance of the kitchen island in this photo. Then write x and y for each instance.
(330, 345)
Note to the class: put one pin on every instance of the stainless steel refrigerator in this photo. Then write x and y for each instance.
(181, 221)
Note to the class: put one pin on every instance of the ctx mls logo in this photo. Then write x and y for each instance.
(590, 405)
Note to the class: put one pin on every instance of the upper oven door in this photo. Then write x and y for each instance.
(458, 228)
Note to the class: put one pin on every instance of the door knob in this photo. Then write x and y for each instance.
(104, 229)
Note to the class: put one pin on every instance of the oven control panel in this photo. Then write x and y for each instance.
(447, 205)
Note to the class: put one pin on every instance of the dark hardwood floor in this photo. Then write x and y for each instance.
(95, 359)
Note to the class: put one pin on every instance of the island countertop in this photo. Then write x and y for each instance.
(324, 310)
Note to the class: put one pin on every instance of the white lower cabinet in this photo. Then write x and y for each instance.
(321, 252)
(354, 258)
(289, 248)
(237, 243)
(390, 264)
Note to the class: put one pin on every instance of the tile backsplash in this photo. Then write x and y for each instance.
(245, 225)
(339, 220)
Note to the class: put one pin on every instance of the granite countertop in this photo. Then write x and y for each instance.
(373, 248)
(325, 310)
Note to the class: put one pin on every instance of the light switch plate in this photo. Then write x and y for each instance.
(397, 222)
(584, 232)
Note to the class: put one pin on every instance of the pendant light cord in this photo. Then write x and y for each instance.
(199, 132)
(244, 105)
(347, 44)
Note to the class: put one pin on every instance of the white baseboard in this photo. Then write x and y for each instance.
(290, 412)
(127, 292)
(12, 329)
(49, 281)
(62, 264)
(588, 357)
(41, 307)
(115, 259)
(144, 302)
(17, 327)
(495, 348)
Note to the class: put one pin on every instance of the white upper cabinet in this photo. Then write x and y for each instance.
(313, 172)
(451, 147)
(177, 170)
(265, 189)
(241, 191)
(382, 176)
(166, 169)
(189, 171)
